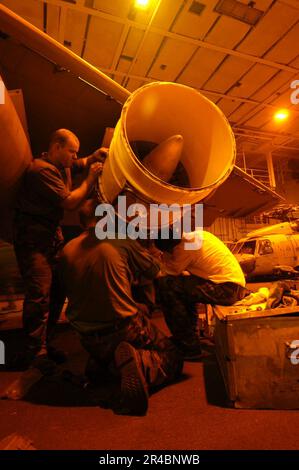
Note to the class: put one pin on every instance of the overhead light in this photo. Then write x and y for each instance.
(281, 115)
(143, 4)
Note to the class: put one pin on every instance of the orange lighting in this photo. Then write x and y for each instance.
(281, 115)
(142, 3)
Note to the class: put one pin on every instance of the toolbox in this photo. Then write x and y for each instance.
(258, 355)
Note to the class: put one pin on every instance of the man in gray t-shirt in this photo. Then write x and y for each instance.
(44, 194)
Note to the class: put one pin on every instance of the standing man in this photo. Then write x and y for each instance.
(44, 194)
(114, 329)
(198, 268)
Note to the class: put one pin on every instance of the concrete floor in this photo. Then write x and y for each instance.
(190, 415)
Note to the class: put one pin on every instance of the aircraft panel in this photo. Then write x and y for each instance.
(239, 196)
(56, 99)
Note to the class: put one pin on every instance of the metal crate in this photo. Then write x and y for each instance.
(257, 355)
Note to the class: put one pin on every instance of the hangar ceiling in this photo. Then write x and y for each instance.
(243, 55)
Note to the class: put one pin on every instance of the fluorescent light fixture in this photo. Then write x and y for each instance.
(143, 4)
(281, 115)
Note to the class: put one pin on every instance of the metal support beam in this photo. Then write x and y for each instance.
(119, 48)
(271, 170)
(146, 33)
(118, 73)
(62, 22)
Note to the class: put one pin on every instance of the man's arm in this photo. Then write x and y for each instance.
(98, 155)
(178, 261)
(144, 265)
(77, 196)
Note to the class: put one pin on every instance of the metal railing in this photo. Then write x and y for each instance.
(259, 174)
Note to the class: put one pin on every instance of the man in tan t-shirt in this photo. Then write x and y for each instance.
(98, 276)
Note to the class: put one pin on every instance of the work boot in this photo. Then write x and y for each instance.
(191, 351)
(134, 390)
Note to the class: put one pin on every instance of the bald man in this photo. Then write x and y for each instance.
(45, 193)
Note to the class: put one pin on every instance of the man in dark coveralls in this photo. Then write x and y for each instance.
(44, 194)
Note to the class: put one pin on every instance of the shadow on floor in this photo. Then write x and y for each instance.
(58, 391)
(215, 388)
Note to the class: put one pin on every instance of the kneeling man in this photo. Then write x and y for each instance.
(98, 276)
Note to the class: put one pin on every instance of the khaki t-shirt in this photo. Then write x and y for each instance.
(210, 259)
(98, 276)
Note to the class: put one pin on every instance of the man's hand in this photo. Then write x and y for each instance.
(77, 196)
(161, 273)
(100, 154)
(94, 171)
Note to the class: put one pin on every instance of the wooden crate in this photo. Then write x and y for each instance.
(254, 352)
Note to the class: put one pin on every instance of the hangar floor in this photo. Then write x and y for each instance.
(191, 414)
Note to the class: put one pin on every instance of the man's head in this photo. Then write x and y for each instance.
(168, 244)
(87, 214)
(63, 148)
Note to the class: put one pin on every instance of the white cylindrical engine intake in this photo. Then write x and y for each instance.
(182, 132)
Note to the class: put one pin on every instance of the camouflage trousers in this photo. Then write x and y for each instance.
(160, 358)
(179, 296)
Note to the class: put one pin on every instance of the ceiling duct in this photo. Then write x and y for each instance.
(235, 9)
(197, 8)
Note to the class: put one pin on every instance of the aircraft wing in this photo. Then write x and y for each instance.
(60, 89)
(239, 196)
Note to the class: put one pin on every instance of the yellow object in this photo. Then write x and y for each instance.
(154, 113)
(163, 160)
